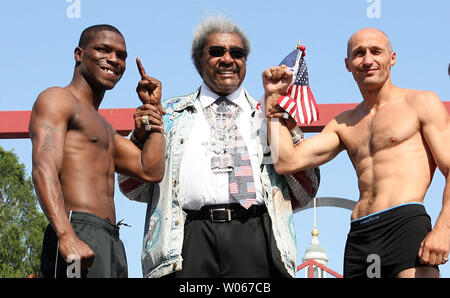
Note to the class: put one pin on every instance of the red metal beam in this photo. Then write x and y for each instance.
(326, 113)
(310, 263)
(310, 270)
(323, 267)
(14, 124)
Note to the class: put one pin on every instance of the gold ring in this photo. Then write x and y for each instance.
(144, 120)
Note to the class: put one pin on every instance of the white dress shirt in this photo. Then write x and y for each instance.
(199, 186)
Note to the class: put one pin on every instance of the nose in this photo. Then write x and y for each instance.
(368, 59)
(113, 58)
(226, 58)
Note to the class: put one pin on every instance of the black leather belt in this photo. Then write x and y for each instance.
(226, 212)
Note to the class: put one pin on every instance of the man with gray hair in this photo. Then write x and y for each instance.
(219, 212)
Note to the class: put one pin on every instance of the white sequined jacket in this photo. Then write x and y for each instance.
(164, 224)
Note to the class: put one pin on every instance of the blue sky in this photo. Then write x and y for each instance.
(38, 39)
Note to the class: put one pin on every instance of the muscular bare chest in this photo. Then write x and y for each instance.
(90, 129)
(88, 171)
(386, 128)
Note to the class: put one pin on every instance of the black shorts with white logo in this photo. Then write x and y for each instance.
(385, 243)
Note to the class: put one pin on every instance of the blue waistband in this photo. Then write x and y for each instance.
(378, 212)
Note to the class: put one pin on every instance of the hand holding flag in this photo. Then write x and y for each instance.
(297, 100)
(276, 81)
(287, 92)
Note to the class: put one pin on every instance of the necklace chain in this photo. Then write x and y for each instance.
(223, 136)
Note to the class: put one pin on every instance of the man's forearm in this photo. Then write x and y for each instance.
(153, 158)
(51, 199)
(443, 220)
(281, 145)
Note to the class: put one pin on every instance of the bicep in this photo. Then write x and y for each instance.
(127, 157)
(435, 125)
(322, 147)
(48, 127)
(311, 152)
(50, 116)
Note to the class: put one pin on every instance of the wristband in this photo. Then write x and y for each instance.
(135, 140)
(297, 135)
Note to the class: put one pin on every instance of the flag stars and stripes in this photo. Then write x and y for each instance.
(243, 171)
(299, 101)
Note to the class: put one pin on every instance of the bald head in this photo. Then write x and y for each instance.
(368, 33)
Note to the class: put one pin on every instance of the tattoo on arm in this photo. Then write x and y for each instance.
(49, 137)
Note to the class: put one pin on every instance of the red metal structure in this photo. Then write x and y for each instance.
(14, 124)
(311, 263)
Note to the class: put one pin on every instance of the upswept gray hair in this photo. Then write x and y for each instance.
(210, 25)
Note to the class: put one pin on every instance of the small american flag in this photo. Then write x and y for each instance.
(251, 187)
(243, 171)
(234, 188)
(247, 203)
(299, 101)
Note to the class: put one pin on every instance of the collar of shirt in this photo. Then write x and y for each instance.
(207, 97)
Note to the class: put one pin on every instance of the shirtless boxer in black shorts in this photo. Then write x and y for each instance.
(76, 153)
(395, 139)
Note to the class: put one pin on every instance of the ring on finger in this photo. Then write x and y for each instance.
(444, 260)
(147, 127)
(144, 120)
(285, 115)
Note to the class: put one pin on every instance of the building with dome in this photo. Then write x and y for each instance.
(315, 259)
(317, 253)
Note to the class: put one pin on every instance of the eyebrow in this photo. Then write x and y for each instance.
(369, 47)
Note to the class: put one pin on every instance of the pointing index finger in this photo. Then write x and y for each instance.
(141, 68)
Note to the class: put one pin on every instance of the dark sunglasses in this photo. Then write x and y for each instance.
(235, 53)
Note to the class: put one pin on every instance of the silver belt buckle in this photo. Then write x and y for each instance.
(211, 215)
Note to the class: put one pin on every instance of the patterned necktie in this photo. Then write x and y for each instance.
(241, 182)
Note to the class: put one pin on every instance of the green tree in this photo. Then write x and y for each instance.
(22, 225)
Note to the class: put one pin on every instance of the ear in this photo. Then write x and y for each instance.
(78, 54)
(393, 58)
(347, 65)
